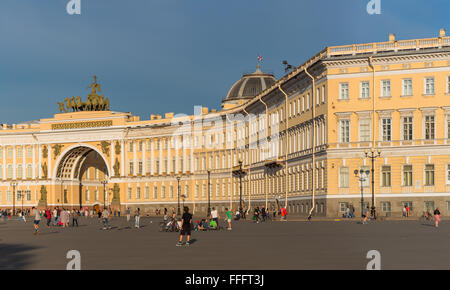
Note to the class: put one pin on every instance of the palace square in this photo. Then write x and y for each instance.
(297, 140)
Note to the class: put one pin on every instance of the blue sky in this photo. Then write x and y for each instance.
(157, 56)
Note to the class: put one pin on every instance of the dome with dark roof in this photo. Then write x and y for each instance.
(249, 86)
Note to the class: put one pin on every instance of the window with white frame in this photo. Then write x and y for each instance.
(343, 177)
(129, 193)
(448, 174)
(364, 130)
(155, 192)
(342, 206)
(163, 191)
(323, 94)
(365, 90)
(343, 91)
(386, 176)
(429, 127)
(407, 175)
(386, 206)
(385, 88)
(429, 86)
(429, 175)
(386, 129)
(344, 128)
(407, 128)
(138, 192)
(448, 84)
(317, 96)
(407, 87)
(147, 192)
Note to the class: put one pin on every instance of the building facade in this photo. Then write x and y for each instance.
(300, 138)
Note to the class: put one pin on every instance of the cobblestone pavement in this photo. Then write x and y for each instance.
(271, 245)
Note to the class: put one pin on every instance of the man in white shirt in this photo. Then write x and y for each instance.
(37, 219)
(215, 215)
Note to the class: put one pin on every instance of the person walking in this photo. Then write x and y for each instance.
(283, 214)
(48, 216)
(437, 217)
(128, 214)
(75, 215)
(105, 217)
(229, 216)
(136, 218)
(365, 215)
(186, 221)
(37, 219)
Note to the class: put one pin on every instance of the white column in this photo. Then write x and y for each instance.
(33, 166)
(4, 164)
(144, 159)
(161, 163)
(134, 157)
(14, 162)
(24, 176)
(169, 157)
(39, 169)
(152, 160)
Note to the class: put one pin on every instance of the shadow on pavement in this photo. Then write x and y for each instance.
(15, 257)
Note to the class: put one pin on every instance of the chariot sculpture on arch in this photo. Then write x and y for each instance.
(94, 101)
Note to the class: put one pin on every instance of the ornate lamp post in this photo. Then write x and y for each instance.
(104, 182)
(178, 179)
(14, 184)
(183, 197)
(363, 175)
(209, 198)
(372, 154)
(239, 172)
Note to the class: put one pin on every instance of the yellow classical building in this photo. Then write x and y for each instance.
(300, 138)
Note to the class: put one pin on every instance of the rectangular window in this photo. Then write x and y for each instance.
(428, 206)
(343, 206)
(386, 206)
(129, 192)
(147, 192)
(386, 88)
(87, 195)
(429, 86)
(448, 85)
(343, 177)
(343, 91)
(9, 152)
(155, 192)
(171, 191)
(131, 167)
(407, 128)
(138, 193)
(365, 90)
(448, 174)
(364, 130)
(386, 129)
(407, 87)
(407, 175)
(429, 175)
(345, 131)
(163, 191)
(386, 176)
(429, 127)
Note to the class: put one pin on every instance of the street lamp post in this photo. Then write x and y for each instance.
(178, 179)
(240, 186)
(104, 182)
(363, 175)
(209, 197)
(373, 155)
(14, 184)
